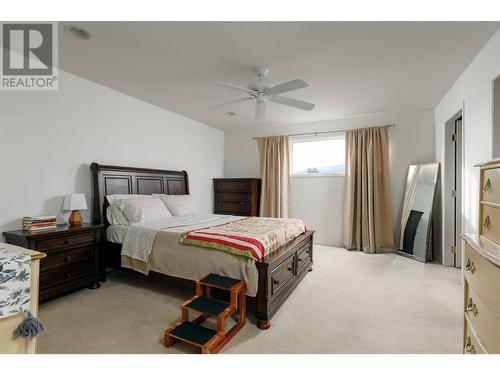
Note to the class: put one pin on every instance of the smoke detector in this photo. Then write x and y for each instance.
(77, 32)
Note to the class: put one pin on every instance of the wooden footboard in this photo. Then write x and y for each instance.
(279, 274)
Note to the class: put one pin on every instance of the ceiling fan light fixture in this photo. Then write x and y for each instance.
(260, 110)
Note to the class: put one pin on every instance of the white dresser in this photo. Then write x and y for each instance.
(482, 269)
(19, 345)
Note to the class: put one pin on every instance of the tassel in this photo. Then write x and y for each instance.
(29, 327)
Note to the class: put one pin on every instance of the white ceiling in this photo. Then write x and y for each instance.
(352, 68)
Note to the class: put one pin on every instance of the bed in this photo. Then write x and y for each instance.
(270, 280)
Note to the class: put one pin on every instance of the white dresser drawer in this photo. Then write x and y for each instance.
(471, 342)
(490, 191)
(484, 277)
(485, 322)
(490, 222)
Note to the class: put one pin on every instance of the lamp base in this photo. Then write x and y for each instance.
(75, 220)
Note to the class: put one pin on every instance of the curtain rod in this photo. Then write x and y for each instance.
(326, 132)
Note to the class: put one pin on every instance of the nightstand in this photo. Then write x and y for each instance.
(73, 258)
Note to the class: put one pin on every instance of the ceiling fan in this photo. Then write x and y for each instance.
(262, 91)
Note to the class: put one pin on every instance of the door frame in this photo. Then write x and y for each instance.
(493, 78)
(448, 258)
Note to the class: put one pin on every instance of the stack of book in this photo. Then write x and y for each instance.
(32, 223)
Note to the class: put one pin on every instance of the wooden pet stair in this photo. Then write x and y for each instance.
(207, 339)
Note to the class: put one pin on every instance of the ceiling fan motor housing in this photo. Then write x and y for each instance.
(259, 85)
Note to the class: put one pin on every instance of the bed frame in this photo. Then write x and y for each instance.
(279, 272)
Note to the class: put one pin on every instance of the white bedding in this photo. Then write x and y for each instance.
(140, 238)
(116, 233)
(155, 246)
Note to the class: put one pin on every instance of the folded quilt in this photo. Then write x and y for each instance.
(253, 237)
(15, 270)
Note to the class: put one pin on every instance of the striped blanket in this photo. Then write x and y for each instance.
(252, 237)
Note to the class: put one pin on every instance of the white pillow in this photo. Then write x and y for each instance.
(140, 210)
(114, 214)
(178, 204)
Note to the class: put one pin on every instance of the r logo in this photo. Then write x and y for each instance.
(28, 49)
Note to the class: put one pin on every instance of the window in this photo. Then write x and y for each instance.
(318, 156)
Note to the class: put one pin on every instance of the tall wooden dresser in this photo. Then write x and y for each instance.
(482, 269)
(237, 196)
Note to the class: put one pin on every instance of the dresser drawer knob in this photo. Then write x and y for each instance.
(289, 269)
(487, 222)
(67, 275)
(67, 241)
(471, 306)
(275, 282)
(67, 258)
(469, 348)
(487, 186)
(469, 266)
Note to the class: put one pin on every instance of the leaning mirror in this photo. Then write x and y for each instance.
(416, 218)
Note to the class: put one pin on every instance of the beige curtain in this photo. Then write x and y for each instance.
(275, 174)
(367, 207)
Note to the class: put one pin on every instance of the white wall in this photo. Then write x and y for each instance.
(48, 140)
(319, 200)
(472, 90)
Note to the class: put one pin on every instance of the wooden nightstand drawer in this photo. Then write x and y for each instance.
(66, 274)
(68, 240)
(63, 258)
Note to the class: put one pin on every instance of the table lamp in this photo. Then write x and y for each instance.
(75, 202)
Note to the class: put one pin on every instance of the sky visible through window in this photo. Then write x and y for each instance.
(318, 156)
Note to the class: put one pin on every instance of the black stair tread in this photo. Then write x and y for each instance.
(208, 305)
(220, 281)
(193, 332)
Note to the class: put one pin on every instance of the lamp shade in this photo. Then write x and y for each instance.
(74, 202)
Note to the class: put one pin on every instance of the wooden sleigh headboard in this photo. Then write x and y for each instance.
(110, 179)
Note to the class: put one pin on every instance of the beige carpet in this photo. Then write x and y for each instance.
(351, 303)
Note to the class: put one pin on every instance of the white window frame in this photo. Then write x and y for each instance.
(310, 138)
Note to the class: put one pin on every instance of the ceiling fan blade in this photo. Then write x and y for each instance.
(239, 88)
(294, 84)
(231, 102)
(292, 102)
